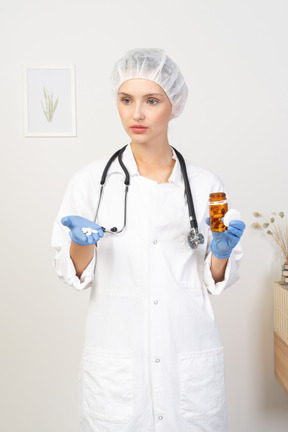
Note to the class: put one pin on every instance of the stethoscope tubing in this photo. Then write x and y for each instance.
(195, 237)
(118, 154)
(188, 193)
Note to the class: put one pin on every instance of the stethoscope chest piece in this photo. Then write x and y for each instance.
(195, 238)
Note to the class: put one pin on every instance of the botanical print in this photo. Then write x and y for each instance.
(49, 101)
(50, 106)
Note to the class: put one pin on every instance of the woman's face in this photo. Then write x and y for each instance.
(144, 109)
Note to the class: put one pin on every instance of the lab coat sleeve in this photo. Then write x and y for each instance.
(75, 202)
(66, 271)
(231, 272)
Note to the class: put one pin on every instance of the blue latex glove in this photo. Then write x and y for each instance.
(224, 242)
(81, 230)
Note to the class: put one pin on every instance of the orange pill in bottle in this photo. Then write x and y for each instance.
(218, 207)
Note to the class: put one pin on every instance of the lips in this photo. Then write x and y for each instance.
(138, 128)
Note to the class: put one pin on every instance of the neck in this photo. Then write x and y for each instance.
(154, 162)
(152, 153)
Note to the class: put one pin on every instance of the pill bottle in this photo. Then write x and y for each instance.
(218, 207)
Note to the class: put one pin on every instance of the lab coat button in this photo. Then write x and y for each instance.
(155, 302)
(160, 417)
(157, 360)
(155, 242)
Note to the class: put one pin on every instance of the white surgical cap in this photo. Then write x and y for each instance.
(153, 64)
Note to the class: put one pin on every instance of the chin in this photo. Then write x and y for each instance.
(138, 139)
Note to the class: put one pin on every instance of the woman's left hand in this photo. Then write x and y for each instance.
(224, 242)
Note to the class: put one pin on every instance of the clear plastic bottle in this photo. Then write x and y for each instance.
(218, 207)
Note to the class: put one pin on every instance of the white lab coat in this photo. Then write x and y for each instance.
(153, 357)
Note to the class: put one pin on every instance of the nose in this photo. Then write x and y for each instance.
(138, 113)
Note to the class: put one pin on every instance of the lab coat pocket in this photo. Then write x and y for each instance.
(108, 385)
(202, 390)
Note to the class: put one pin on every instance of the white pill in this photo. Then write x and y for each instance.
(232, 214)
(87, 231)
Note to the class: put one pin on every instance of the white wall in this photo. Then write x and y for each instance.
(233, 55)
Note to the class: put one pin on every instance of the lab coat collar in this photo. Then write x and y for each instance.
(130, 163)
(176, 175)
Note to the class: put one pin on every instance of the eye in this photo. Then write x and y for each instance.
(126, 100)
(152, 101)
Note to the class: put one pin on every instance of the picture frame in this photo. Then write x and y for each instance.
(49, 101)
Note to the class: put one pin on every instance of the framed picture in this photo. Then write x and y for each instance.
(49, 101)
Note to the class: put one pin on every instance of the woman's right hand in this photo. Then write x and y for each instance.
(83, 232)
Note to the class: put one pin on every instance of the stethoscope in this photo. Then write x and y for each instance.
(194, 237)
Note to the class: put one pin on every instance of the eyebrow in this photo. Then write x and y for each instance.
(147, 95)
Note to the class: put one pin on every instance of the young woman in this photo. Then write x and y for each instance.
(153, 357)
